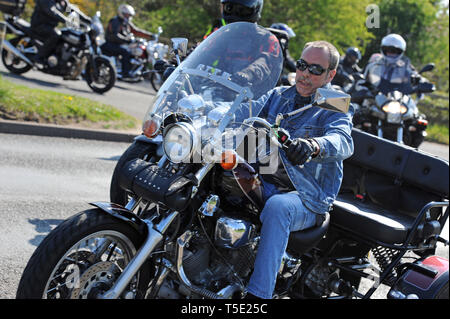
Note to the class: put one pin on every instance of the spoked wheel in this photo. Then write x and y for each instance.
(82, 258)
(102, 78)
(13, 63)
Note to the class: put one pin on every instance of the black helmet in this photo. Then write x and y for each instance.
(352, 56)
(241, 10)
(352, 51)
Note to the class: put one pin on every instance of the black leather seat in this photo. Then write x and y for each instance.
(302, 241)
(370, 220)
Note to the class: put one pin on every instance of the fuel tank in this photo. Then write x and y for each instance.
(241, 187)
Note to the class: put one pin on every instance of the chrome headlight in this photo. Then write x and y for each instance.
(179, 142)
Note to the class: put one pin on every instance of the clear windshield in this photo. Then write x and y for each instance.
(235, 65)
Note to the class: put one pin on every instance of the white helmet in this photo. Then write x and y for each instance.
(393, 46)
(126, 11)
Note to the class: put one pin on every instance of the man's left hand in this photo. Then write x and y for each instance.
(300, 151)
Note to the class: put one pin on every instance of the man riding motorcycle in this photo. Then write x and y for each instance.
(121, 31)
(348, 66)
(46, 16)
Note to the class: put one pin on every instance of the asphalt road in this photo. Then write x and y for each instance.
(43, 181)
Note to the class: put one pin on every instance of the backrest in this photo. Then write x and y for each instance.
(393, 175)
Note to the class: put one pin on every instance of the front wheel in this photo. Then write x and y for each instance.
(156, 80)
(102, 77)
(13, 63)
(82, 258)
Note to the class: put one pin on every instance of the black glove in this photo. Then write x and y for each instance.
(300, 151)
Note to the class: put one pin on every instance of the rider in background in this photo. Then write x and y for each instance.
(392, 69)
(46, 16)
(120, 31)
(348, 65)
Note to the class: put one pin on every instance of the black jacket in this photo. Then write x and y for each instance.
(48, 12)
(120, 31)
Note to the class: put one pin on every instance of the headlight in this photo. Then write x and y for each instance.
(179, 142)
(395, 107)
(394, 111)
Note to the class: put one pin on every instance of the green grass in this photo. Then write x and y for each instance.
(19, 102)
(438, 133)
(436, 107)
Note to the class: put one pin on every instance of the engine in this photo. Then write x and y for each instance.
(215, 267)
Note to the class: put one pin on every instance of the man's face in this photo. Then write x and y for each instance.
(307, 83)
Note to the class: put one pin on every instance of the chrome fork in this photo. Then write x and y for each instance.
(155, 235)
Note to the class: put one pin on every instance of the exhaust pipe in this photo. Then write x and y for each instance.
(12, 49)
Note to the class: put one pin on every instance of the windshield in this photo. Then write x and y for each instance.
(237, 64)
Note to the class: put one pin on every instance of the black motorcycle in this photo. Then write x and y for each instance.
(391, 112)
(76, 55)
(191, 227)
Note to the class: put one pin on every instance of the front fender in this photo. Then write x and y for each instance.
(123, 214)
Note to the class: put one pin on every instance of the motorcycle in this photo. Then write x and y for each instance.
(145, 54)
(77, 53)
(392, 113)
(191, 228)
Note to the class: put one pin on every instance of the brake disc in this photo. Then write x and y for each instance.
(96, 280)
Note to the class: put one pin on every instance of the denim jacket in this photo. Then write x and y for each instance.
(319, 180)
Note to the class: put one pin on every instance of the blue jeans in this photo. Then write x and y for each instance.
(282, 214)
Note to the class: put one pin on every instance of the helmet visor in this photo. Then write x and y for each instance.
(236, 9)
(391, 51)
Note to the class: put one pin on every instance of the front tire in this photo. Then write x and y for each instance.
(13, 63)
(82, 258)
(102, 78)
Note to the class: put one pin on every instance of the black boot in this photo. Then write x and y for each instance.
(251, 296)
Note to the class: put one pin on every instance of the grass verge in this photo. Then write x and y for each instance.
(18, 102)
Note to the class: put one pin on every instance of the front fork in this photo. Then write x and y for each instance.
(155, 235)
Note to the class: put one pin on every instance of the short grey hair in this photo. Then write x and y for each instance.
(333, 53)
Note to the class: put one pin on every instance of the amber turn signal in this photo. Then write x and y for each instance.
(151, 128)
(229, 160)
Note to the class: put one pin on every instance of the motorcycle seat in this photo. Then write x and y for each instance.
(302, 241)
(370, 220)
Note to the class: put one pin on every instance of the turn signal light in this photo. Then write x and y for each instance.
(229, 160)
(151, 128)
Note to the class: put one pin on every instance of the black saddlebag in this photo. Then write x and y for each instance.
(14, 7)
(385, 186)
(170, 187)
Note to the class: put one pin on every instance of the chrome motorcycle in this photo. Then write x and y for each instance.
(77, 54)
(144, 55)
(191, 228)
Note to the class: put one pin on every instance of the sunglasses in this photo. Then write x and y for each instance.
(314, 69)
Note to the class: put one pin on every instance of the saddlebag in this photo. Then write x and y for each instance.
(14, 7)
(170, 187)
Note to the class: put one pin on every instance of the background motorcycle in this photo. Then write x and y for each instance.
(77, 52)
(177, 238)
(145, 54)
(392, 113)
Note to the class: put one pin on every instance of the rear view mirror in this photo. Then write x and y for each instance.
(180, 46)
(427, 68)
(332, 100)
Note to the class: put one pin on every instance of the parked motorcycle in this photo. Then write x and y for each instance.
(191, 228)
(145, 54)
(77, 53)
(392, 113)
